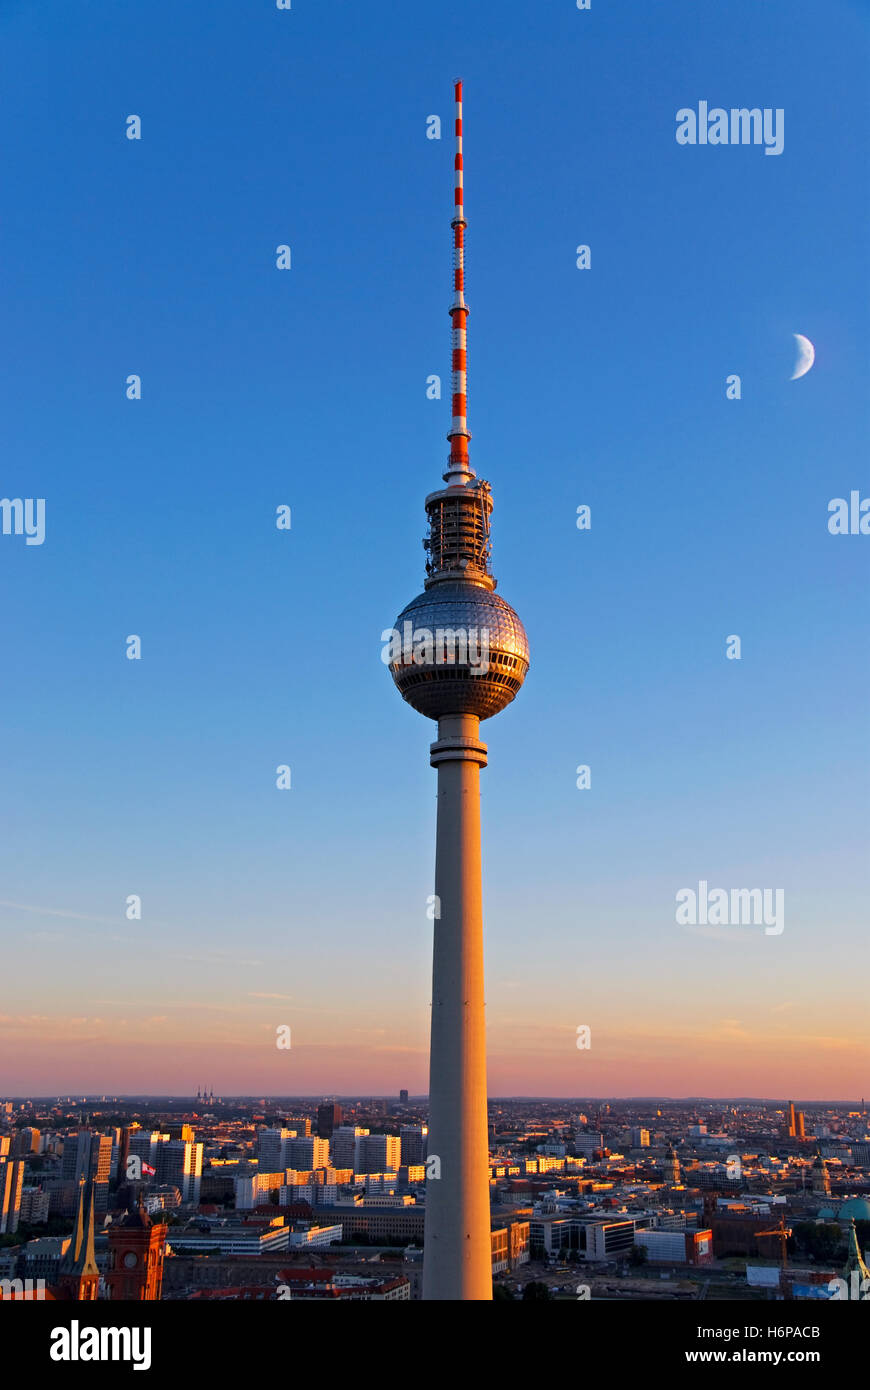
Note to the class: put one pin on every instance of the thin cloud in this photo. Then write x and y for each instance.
(59, 912)
(217, 959)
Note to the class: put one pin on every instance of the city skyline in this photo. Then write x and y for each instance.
(229, 1098)
(211, 1199)
(307, 908)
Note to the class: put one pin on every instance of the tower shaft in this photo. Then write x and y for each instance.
(458, 654)
(458, 1252)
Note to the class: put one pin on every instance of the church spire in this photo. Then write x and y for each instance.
(70, 1259)
(855, 1261)
(79, 1275)
(84, 1260)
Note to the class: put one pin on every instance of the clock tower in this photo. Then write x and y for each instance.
(136, 1250)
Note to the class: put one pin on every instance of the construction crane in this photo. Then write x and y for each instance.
(782, 1232)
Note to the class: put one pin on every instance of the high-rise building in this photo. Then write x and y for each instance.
(380, 1153)
(272, 1153)
(101, 1170)
(145, 1145)
(413, 1139)
(308, 1153)
(345, 1146)
(458, 655)
(328, 1119)
(791, 1120)
(799, 1125)
(177, 1162)
(123, 1154)
(300, 1123)
(180, 1163)
(35, 1206)
(76, 1158)
(11, 1184)
(87, 1157)
(588, 1141)
(403, 1097)
(639, 1138)
(26, 1143)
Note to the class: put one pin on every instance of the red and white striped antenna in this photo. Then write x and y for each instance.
(459, 471)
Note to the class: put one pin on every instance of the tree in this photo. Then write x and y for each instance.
(823, 1240)
(638, 1255)
(536, 1292)
(502, 1294)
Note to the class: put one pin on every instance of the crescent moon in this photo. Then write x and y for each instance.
(805, 358)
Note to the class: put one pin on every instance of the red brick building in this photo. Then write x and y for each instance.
(137, 1246)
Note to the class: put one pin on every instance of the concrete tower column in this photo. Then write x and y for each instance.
(458, 690)
(458, 1259)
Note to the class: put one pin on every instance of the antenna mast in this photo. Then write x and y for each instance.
(459, 470)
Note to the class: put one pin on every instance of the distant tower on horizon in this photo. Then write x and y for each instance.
(329, 1118)
(820, 1179)
(458, 655)
(671, 1166)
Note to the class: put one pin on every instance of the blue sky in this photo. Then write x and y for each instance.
(308, 387)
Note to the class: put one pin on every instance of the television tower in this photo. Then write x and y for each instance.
(460, 655)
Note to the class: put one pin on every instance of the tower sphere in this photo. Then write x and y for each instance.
(464, 651)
